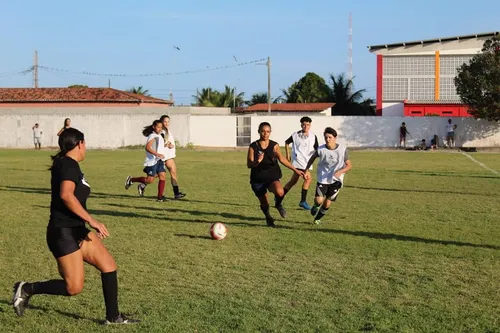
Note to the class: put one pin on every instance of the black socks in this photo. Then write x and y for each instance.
(110, 292)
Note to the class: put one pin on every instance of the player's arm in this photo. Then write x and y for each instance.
(312, 159)
(149, 148)
(60, 131)
(347, 165)
(287, 148)
(285, 162)
(251, 162)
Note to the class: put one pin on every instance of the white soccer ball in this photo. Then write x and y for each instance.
(218, 231)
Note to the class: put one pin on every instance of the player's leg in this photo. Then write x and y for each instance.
(291, 183)
(161, 184)
(172, 169)
(330, 196)
(260, 191)
(303, 195)
(319, 197)
(95, 253)
(279, 194)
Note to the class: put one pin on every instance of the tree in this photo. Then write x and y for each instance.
(78, 86)
(139, 91)
(478, 82)
(259, 98)
(311, 88)
(346, 101)
(213, 98)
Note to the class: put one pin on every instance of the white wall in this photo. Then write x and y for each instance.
(118, 127)
(393, 109)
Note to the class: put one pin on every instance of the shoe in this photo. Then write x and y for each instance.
(121, 319)
(140, 189)
(270, 221)
(20, 299)
(162, 199)
(128, 182)
(317, 221)
(314, 210)
(305, 205)
(282, 211)
(180, 195)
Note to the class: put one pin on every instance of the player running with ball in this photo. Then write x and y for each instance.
(333, 164)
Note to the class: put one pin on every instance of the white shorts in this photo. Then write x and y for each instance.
(37, 141)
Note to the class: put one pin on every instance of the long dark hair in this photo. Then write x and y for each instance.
(65, 121)
(162, 118)
(69, 139)
(150, 129)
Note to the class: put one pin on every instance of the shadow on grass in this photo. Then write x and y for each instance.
(193, 236)
(416, 190)
(444, 174)
(387, 236)
(100, 195)
(63, 313)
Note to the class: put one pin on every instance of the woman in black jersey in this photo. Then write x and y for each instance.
(68, 239)
(263, 157)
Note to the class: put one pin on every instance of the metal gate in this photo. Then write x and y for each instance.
(243, 131)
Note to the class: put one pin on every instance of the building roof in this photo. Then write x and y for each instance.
(430, 41)
(288, 107)
(433, 102)
(74, 95)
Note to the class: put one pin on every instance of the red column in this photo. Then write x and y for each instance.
(380, 64)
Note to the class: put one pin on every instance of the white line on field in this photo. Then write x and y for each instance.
(481, 164)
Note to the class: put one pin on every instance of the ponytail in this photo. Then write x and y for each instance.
(150, 129)
(68, 140)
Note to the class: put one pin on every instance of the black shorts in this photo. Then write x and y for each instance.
(330, 191)
(63, 241)
(260, 189)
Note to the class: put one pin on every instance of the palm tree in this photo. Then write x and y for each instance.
(260, 98)
(139, 91)
(214, 98)
(346, 101)
(206, 97)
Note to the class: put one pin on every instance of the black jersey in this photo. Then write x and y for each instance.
(67, 168)
(268, 170)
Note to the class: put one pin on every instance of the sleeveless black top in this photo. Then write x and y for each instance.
(268, 170)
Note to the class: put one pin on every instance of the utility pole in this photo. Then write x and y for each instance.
(35, 70)
(349, 48)
(268, 84)
(234, 90)
(109, 83)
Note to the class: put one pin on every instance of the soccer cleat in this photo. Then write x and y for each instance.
(140, 189)
(282, 211)
(317, 221)
(128, 182)
(162, 199)
(20, 299)
(270, 221)
(121, 320)
(314, 210)
(305, 205)
(180, 195)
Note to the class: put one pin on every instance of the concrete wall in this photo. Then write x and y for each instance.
(118, 127)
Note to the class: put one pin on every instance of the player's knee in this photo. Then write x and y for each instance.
(74, 287)
(280, 192)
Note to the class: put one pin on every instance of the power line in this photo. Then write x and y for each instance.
(207, 69)
(24, 72)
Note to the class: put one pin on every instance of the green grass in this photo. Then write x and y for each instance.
(412, 245)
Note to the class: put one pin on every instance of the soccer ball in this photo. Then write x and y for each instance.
(218, 231)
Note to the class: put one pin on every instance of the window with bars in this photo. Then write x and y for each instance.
(408, 65)
(422, 89)
(243, 131)
(394, 89)
(449, 65)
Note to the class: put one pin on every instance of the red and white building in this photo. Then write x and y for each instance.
(417, 78)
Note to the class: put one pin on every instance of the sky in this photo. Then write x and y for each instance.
(131, 37)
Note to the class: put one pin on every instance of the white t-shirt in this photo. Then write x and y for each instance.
(449, 128)
(303, 147)
(169, 153)
(331, 161)
(37, 132)
(157, 146)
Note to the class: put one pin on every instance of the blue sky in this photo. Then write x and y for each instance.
(138, 37)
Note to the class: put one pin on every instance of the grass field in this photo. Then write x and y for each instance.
(412, 245)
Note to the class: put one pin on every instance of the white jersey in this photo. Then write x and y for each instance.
(449, 128)
(157, 146)
(331, 161)
(168, 152)
(303, 147)
(37, 132)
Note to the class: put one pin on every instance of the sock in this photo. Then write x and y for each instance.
(278, 200)
(138, 180)
(161, 188)
(321, 213)
(265, 209)
(303, 195)
(286, 191)
(51, 287)
(176, 189)
(110, 292)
